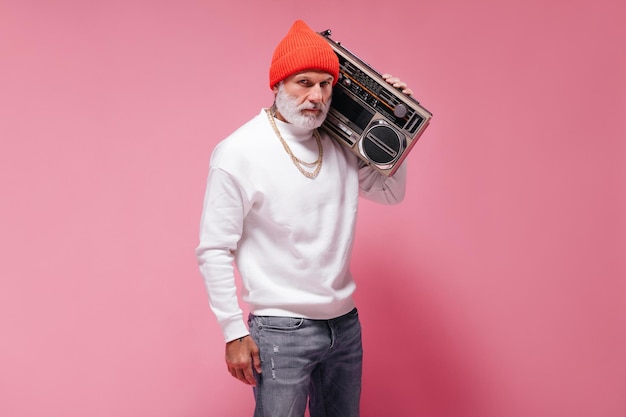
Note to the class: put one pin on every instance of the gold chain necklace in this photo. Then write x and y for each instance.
(299, 163)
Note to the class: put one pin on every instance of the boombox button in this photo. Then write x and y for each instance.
(400, 110)
(345, 129)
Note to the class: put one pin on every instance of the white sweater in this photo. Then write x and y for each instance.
(289, 236)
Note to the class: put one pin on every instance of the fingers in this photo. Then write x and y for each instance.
(241, 355)
(407, 91)
(397, 83)
(248, 377)
(243, 374)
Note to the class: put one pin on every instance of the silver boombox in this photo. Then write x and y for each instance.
(379, 123)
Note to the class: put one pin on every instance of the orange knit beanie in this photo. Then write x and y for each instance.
(300, 50)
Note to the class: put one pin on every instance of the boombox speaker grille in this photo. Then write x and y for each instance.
(382, 144)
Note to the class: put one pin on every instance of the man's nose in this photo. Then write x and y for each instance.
(315, 94)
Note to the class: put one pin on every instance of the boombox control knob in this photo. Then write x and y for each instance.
(346, 81)
(400, 110)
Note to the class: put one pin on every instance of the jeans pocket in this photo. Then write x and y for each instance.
(278, 324)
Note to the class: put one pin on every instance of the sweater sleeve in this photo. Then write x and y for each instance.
(380, 188)
(220, 230)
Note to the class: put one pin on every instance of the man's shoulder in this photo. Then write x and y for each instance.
(245, 143)
(245, 130)
(242, 134)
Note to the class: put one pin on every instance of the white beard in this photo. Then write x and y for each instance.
(292, 112)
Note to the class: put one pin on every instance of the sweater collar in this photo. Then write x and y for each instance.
(291, 132)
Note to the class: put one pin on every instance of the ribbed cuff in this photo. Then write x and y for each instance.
(234, 330)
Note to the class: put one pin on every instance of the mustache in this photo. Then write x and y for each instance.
(313, 106)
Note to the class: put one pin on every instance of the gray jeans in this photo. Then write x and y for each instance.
(318, 360)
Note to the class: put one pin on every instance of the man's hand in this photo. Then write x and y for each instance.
(241, 355)
(395, 82)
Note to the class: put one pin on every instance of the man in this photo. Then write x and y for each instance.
(281, 204)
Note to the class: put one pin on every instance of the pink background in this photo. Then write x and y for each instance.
(497, 289)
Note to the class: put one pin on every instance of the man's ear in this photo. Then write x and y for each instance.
(275, 89)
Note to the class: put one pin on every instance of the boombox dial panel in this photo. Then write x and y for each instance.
(377, 97)
(379, 123)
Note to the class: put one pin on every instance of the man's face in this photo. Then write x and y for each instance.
(303, 99)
